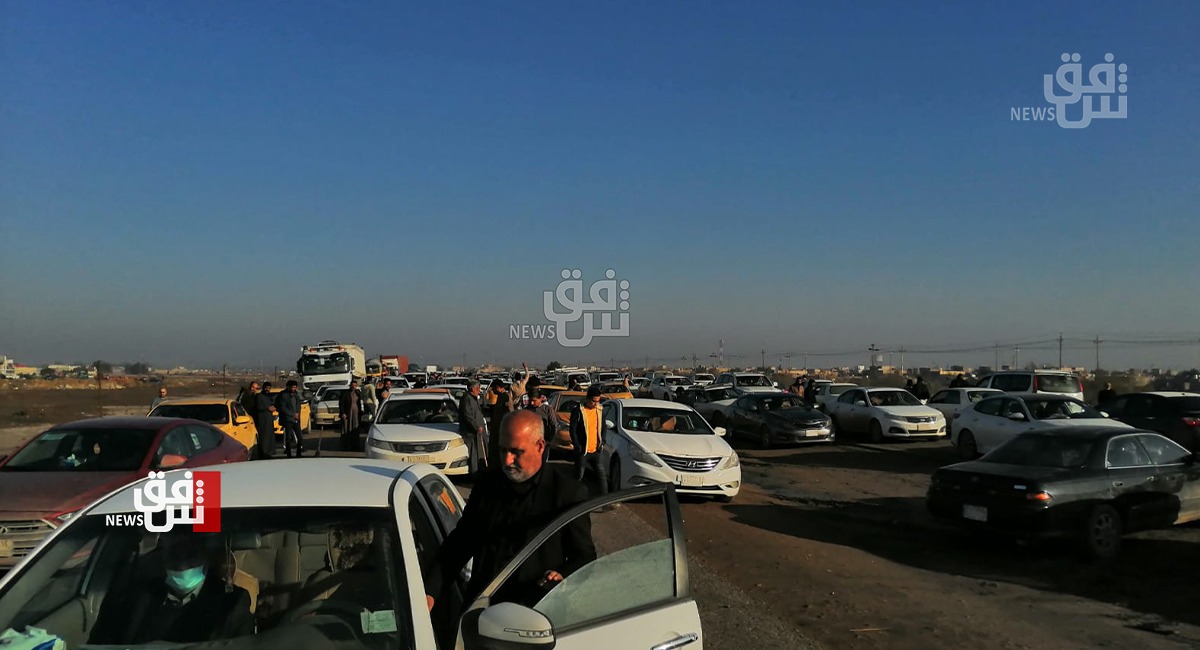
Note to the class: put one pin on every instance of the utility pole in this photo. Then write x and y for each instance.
(1016, 357)
(806, 361)
(902, 360)
(1060, 340)
(764, 359)
(694, 360)
(997, 366)
(1097, 341)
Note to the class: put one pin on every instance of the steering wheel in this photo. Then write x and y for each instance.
(341, 607)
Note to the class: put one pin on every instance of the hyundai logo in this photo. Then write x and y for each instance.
(3, 530)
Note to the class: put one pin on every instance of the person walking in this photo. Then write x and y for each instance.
(350, 408)
(162, 396)
(264, 420)
(472, 426)
(287, 404)
(540, 405)
(587, 436)
(959, 382)
(503, 406)
(920, 390)
(508, 507)
(1107, 394)
(369, 408)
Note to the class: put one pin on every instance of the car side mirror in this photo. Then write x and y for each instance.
(608, 424)
(171, 460)
(243, 419)
(504, 626)
(860, 403)
(1016, 417)
(720, 431)
(775, 384)
(1104, 414)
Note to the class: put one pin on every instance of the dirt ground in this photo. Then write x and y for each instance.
(836, 541)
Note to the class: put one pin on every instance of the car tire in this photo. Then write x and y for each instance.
(967, 449)
(876, 432)
(1102, 532)
(764, 437)
(614, 474)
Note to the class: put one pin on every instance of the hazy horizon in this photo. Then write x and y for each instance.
(207, 183)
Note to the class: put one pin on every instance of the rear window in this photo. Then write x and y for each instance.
(210, 413)
(838, 390)
(1042, 451)
(1186, 404)
(1057, 384)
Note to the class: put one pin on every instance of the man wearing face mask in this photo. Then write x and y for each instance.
(508, 507)
(191, 603)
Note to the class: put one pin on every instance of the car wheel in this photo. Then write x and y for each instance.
(1102, 536)
(764, 437)
(876, 432)
(966, 445)
(614, 474)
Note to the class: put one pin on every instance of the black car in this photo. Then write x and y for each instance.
(778, 418)
(1175, 415)
(1091, 484)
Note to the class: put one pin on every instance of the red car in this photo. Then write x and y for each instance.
(45, 481)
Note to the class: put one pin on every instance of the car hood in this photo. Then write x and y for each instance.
(910, 411)
(1083, 422)
(441, 432)
(33, 495)
(758, 389)
(681, 444)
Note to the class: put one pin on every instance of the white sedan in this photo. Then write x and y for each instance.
(996, 419)
(885, 413)
(334, 552)
(420, 428)
(653, 442)
(829, 392)
(952, 400)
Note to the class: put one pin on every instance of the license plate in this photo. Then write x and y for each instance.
(815, 433)
(419, 459)
(975, 513)
(690, 481)
(6, 548)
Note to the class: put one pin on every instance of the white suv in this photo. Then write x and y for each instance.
(1035, 381)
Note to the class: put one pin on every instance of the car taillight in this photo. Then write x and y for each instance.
(1191, 422)
(1038, 496)
(1035, 383)
(1079, 382)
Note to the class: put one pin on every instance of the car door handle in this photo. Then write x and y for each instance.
(1118, 484)
(678, 642)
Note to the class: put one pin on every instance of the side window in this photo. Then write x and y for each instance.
(1124, 451)
(238, 411)
(204, 438)
(424, 535)
(178, 441)
(849, 397)
(1011, 407)
(1163, 451)
(986, 382)
(602, 581)
(938, 398)
(990, 406)
(953, 397)
(442, 502)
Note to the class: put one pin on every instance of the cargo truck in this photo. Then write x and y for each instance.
(330, 363)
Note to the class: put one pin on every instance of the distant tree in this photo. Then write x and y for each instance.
(48, 373)
(552, 366)
(138, 368)
(102, 367)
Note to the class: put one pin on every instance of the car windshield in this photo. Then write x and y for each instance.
(752, 380)
(677, 381)
(1042, 451)
(976, 395)
(566, 403)
(838, 389)
(725, 392)
(608, 376)
(332, 395)
(210, 413)
(1185, 404)
(288, 559)
(779, 402)
(417, 411)
(892, 398)
(703, 377)
(324, 364)
(84, 450)
(1060, 409)
(658, 420)
(613, 388)
(1057, 384)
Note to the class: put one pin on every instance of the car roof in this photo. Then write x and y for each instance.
(195, 400)
(1165, 393)
(1029, 372)
(882, 388)
(120, 422)
(769, 395)
(653, 403)
(419, 393)
(979, 389)
(1087, 432)
(354, 482)
(1041, 397)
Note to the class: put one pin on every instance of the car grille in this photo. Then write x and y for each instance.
(814, 424)
(24, 535)
(685, 464)
(418, 447)
(921, 420)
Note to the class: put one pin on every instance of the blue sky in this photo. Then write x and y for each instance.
(220, 182)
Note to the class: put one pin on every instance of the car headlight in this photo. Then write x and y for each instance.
(457, 442)
(643, 456)
(379, 444)
(731, 462)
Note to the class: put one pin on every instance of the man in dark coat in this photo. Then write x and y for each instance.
(511, 502)
(350, 410)
(920, 390)
(287, 404)
(472, 426)
(262, 410)
(503, 406)
(959, 382)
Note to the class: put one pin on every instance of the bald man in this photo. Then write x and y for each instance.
(509, 505)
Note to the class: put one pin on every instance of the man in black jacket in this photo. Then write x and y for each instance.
(920, 390)
(264, 420)
(472, 426)
(287, 404)
(587, 437)
(509, 505)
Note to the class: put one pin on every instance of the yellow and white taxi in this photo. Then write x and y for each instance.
(224, 414)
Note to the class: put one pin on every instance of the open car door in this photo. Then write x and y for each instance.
(634, 595)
